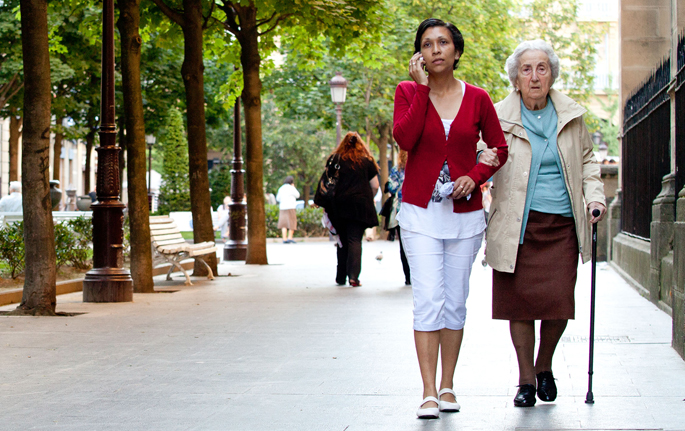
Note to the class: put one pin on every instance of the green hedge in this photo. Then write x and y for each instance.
(12, 248)
(308, 222)
(72, 245)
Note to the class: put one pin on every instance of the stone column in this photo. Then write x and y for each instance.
(678, 306)
(661, 237)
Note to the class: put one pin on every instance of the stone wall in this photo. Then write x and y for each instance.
(631, 257)
(610, 178)
(645, 40)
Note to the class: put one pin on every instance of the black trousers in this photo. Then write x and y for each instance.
(350, 254)
(403, 257)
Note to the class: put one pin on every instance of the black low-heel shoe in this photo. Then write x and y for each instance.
(547, 389)
(525, 397)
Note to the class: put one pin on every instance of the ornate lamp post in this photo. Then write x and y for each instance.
(338, 92)
(150, 141)
(236, 246)
(603, 151)
(597, 139)
(108, 281)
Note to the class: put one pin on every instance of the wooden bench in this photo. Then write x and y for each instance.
(169, 246)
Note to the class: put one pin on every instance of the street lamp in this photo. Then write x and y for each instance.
(108, 281)
(603, 150)
(150, 141)
(338, 92)
(236, 246)
(597, 139)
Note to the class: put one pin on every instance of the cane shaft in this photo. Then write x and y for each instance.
(589, 398)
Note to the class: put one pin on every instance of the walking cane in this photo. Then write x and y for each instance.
(589, 398)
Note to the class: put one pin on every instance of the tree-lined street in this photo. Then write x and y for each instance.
(281, 347)
(197, 57)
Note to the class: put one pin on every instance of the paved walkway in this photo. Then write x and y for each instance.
(281, 347)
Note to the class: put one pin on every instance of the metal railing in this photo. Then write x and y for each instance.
(646, 156)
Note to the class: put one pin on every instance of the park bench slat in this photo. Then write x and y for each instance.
(171, 241)
(193, 253)
(156, 229)
(168, 244)
(165, 237)
(162, 232)
(158, 219)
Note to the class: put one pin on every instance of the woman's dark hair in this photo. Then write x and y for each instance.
(289, 180)
(457, 38)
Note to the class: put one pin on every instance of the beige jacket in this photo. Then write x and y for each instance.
(510, 184)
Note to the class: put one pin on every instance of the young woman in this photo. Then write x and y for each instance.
(352, 209)
(439, 120)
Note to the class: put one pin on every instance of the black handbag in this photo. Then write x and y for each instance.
(325, 190)
(386, 209)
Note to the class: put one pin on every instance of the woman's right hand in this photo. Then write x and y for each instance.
(489, 157)
(416, 69)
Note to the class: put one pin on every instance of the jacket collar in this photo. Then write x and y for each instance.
(509, 109)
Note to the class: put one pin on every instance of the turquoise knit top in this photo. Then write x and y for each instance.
(546, 186)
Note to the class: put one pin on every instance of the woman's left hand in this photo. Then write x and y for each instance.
(463, 186)
(489, 157)
(602, 210)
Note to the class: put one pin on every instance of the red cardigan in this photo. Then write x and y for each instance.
(418, 129)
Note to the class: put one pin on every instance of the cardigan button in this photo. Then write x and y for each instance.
(511, 266)
(518, 218)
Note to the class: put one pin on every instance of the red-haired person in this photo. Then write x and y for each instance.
(352, 210)
(439, 121)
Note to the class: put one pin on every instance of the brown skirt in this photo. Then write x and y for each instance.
(543, 283)
(287, 219)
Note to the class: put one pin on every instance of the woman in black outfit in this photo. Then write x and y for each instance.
(352, 210)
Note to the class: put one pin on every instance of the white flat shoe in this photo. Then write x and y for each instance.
(428, 412)
(446, 406)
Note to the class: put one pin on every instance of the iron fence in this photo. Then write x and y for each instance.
(646, 156)
(680, 117)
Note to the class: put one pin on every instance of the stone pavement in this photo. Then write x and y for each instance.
(281, 347)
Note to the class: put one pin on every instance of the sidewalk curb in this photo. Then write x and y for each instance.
(70, 286)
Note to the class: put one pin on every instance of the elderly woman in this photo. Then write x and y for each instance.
(286, 197)
(539, 214)
(438, 120)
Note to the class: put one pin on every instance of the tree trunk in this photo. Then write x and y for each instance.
(138, 209)
(57, 153)
(252, 87)
(192, 71)
(39, 296)
(305, 195)
(15, 134)
(384, 131)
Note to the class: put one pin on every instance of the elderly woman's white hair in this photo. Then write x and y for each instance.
(513, 62)
(15, 186)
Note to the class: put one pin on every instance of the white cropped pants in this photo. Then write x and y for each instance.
(440, 271)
